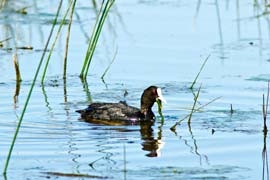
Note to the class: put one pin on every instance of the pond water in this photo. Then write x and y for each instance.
(158, 42)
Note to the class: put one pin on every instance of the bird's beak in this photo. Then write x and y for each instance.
(160, 97)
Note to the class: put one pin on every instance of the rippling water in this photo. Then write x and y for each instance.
(159, 42)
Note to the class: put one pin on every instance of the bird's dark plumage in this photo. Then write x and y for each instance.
(121, 113)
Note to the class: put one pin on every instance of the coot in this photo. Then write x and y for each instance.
(121, 113)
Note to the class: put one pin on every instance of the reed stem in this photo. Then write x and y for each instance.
(54, 42)
(67, 40)
(107, 69)
(30, 92)
(17, 69)
(265, 109)
(99, 28)
(173, 128)
(93, 43)
(194, 105)
(91, 40)
(195, 80)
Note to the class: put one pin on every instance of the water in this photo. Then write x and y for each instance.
(159, 42)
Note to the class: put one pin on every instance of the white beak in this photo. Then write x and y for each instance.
(160, 97)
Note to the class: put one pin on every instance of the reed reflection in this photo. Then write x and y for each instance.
(194, 147)
(265, 172)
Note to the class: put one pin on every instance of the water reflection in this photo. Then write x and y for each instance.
(150, 143)
(86, 90)
(265, 173)
(65, 89)
(47, 104)
(17, 92)
(194, 148)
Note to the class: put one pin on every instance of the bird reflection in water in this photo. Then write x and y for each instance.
(149, 142)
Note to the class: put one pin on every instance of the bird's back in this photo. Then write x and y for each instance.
(111, 113)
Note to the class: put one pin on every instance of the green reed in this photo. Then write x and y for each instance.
(102, 15)
(159, 103)
(194, 104)
(107, 69)
(67, 40)
(195, 80)
(173, 128)
(55, 39)
(91, 40)
(30, 91)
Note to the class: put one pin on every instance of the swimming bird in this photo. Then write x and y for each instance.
(121, 113)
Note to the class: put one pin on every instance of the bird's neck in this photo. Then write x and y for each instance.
(147, 112)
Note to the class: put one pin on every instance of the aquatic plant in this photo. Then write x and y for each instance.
(264, 151)
(194, 104)
(1, 42)
(54, 42)
(102, 15)
(18, 78)
(195, 80)
(265, 110)
(67, 40)
(106, 70)
(160, 110)
(265, 172)
(231, 111)
(17, 68)
(74, 175)
(30, 91)
(173, 128)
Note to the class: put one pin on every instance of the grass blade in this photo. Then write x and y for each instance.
(195, 80)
